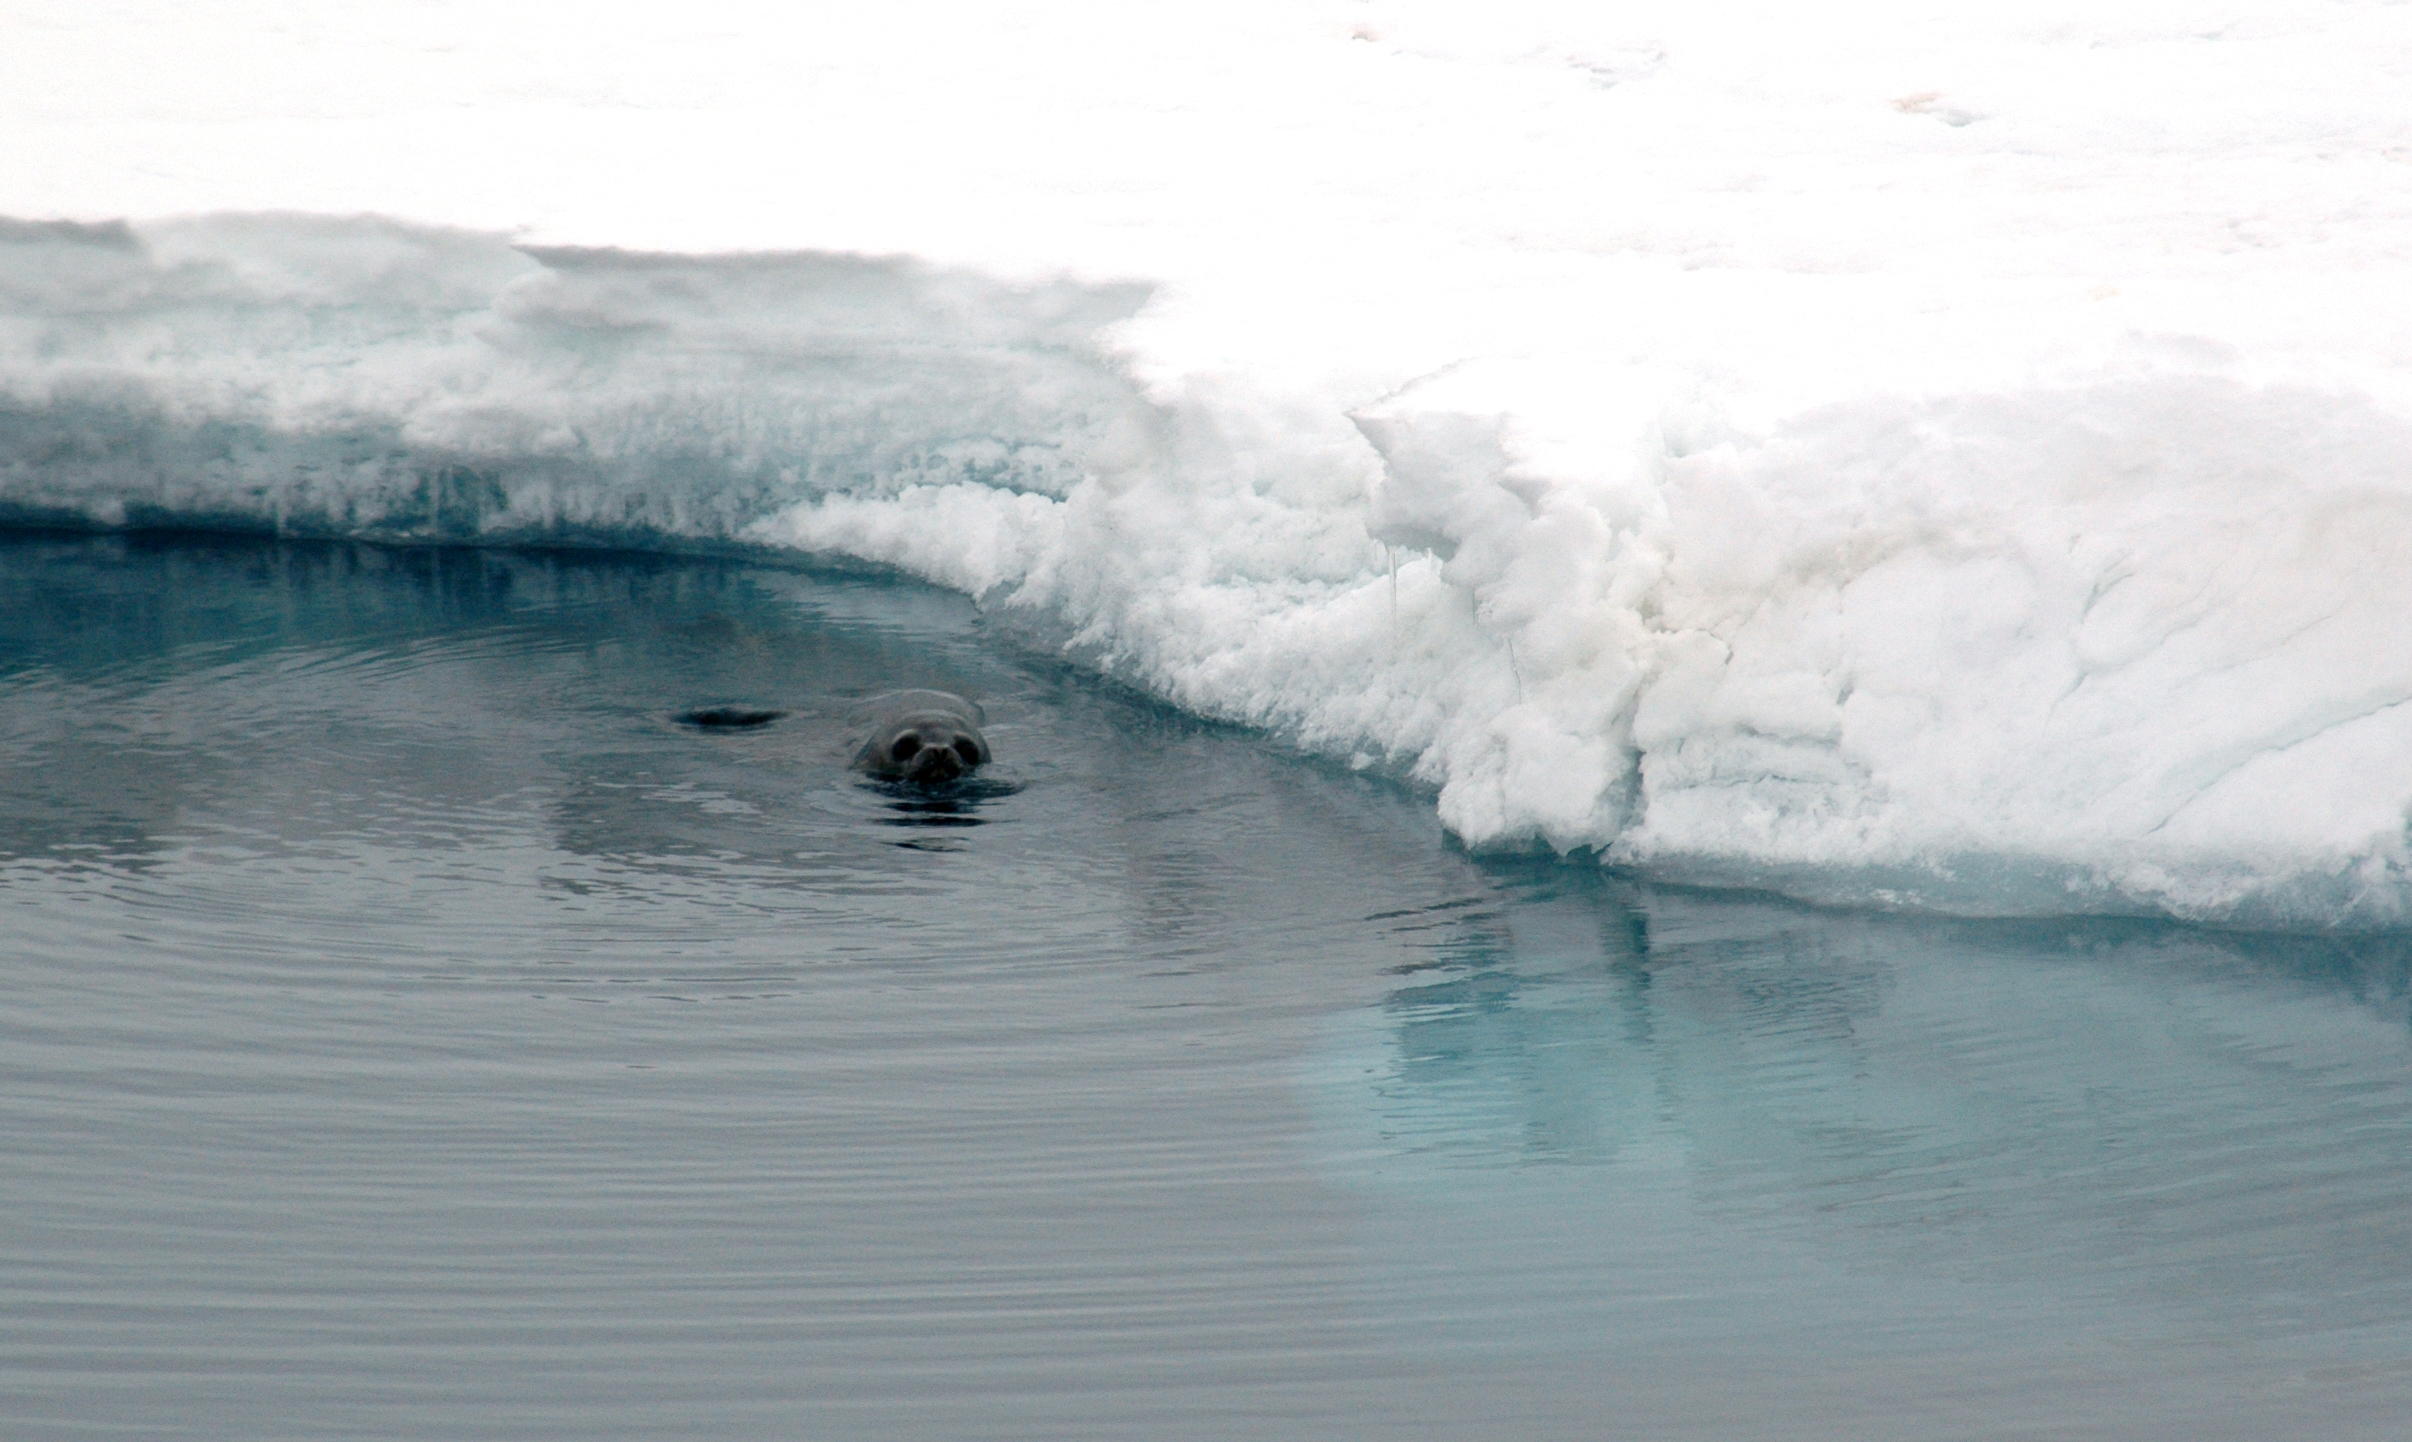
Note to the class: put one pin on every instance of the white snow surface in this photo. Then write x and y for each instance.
(1931, 454)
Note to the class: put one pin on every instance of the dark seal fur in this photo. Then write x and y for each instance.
(927, 737)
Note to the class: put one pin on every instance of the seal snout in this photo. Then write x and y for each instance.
(926, 737)
(933, 756)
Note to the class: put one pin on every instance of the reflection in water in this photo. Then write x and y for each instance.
(2122, 1130)
(957, 803)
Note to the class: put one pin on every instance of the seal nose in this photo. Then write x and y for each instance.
(935, 763)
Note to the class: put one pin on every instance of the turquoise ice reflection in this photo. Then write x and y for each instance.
(1922, 1177)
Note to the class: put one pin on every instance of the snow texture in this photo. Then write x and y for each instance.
(1928, 455)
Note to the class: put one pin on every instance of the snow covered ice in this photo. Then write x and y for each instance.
(1926, 454)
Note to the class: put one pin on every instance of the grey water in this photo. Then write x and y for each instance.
(409, 1029)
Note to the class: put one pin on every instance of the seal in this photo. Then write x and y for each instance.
(927, 737)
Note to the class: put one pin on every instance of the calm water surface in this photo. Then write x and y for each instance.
(409, 1030)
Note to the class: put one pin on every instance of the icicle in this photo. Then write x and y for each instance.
(1391, 554)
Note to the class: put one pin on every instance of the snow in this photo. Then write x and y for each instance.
(1918, 454)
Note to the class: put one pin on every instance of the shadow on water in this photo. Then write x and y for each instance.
(108, 643)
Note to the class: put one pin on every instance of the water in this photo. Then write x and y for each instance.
(408, 1029)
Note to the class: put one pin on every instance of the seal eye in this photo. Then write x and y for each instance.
(905, 747)
(968, 749)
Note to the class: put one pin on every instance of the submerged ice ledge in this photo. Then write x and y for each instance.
(2133, 636)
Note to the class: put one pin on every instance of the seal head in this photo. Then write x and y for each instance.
(926, 737)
